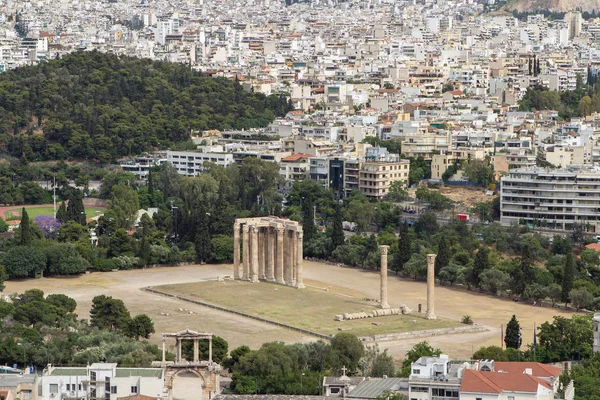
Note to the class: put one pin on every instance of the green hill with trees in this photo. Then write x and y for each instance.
(90, 105)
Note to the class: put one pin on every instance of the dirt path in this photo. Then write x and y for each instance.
(237, 330)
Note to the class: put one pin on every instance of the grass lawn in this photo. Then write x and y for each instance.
(310, 308)
(34, 211)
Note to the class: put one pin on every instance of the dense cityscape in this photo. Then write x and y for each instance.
(299, 200)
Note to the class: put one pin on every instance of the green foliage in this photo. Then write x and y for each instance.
(72, 231)
(479, 171)
(347, 350)
(108, 313)
(98, 106)
(120, 244)
(3, 226)
(443, 255)
(24, 261)
(568, 277)
(62, 301)
(377, 363)
(140, 326)
(512, 336)
(426, 224)
(222, 248)
(421, 349)
(25, 234)
(436, 200)
(581, 298)
(490, 353)
(566, 339)
(337, 232)
(124, 205)
(467, 320)
(75, 209)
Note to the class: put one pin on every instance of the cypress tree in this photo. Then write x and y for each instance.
(568, 277)
(530, 67)
(61, 213)
(308, 222)
(443, 257)
(221, 220)
(25, 229)
(75, 209)
(337, 232)
(480, 264)
(512, 337)
(404, 249)
(202, 239)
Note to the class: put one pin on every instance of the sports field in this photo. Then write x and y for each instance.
(312, 308)
(14, 213)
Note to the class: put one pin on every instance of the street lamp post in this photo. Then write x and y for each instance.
(301, 391)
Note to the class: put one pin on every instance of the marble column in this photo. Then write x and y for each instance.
(279, 259)
(164, 352)
(245, 252)
(383, 302)
(270, 273)
(430, 286)
(196, 351)
(261, 255)
(254, 256)
(236, 251)
(299, 260)
(178, 355)
(287, 264)
(210, 349)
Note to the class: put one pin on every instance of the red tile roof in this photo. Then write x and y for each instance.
(137, 397)
(593, 246)
(296, 157)
(537, 369)
(496, 382)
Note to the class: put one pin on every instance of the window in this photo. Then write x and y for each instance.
(113, 389)
(335, 390)
(511, 397)
(416, 371)
(134, 389)
(53, 388)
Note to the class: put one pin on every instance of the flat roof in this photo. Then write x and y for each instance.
(143, 372)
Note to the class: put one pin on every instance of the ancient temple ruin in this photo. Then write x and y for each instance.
(271, 251)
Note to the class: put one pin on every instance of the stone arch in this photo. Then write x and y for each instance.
(174, 374)
(187, 384)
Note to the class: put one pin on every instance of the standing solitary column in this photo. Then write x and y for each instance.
(236, 251)
(279, 261)
(270, 255)
(430, 286)
(245, 252)
(254, 256)
(210, 349)
(164, 352)
(178, 359)
(383, 301)
(299, 259)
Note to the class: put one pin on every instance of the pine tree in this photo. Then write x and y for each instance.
(337, 232)
(512, 337)
(568, 277)
(25, 234)
(61, 213)
(404, 249)
(202, 238)
(75, 209)
(443, 257)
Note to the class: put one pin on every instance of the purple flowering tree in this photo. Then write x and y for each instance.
(48, 225)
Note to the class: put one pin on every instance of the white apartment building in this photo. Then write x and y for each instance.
(191, 163)
(434, 378)
(554, 199)
(100, 381)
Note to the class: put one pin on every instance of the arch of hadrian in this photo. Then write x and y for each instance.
(271, 251)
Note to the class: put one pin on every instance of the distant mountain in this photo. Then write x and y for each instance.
(553, 5)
